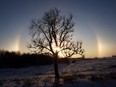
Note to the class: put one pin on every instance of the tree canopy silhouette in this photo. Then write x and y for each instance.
(53, 34)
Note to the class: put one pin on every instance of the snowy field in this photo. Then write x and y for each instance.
(79, 73)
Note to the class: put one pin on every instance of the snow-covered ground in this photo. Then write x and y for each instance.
(81, 73)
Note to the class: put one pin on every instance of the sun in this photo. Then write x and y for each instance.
(60, 54)
(58, 49)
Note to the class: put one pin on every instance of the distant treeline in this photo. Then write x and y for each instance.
(17, 60)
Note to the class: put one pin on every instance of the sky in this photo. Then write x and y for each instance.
(95, 23)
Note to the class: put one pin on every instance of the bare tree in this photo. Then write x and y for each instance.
(53, 34)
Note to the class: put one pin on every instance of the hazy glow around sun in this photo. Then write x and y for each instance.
(101, 47)
(14, 46)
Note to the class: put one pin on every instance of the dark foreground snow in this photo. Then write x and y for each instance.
(82, 73)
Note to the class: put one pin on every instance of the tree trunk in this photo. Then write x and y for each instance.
(56, 66)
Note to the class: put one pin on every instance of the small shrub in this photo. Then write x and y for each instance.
(28, 83)
(71, 79)
(112, 66)
(1, 83)
(81, 76)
